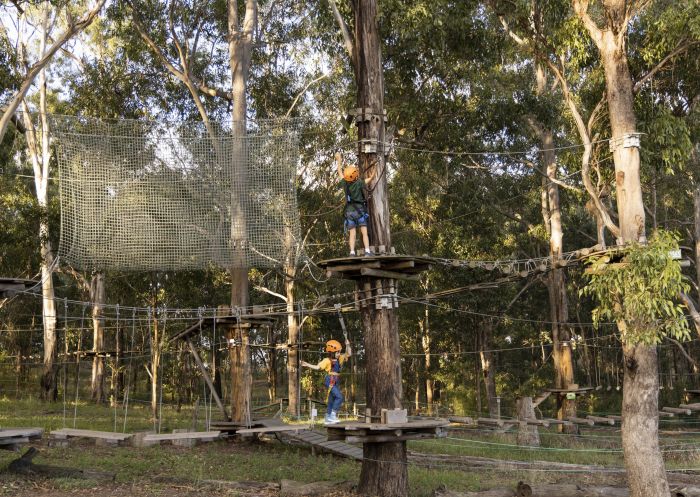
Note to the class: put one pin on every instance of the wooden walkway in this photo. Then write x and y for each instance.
(319, 441)
(12, 438)
(103, 436)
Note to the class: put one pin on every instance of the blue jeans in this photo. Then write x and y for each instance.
(335, 400)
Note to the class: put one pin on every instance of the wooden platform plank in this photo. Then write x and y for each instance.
(417, 424)
(272, 429)
(104, 435)
(317, 440)
(192, 435)
(22, 432)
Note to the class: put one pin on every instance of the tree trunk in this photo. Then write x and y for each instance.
(40, 155)
(155, 364)
(425, 342)
(528, 435)
(240, 44)
(643, 460)
(384, 467)
(97, 296)
(488, 366)
(696, 205)
(646, 473)
(556, 281)
(294, 407)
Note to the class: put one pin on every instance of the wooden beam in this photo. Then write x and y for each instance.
(692, 407)
(399, 265)
(461, 420)
(490, 421)
(210, 384)
(581, 421)
(558, 422)
(391, 438)
(676, 410)
(354, 267)
(379, 273)
(535, 422)
(599, 419)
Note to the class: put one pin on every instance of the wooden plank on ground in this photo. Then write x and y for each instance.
(22, 432)
(104, 435)
(272, 429)
(14, 440)
(692, 407)
(191, 435)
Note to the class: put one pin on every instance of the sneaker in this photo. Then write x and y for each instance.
(330, 421)
(334, 417)
(368, 253)
(353, 254)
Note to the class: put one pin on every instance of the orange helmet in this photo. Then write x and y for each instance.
(351, 173)
(333, 346)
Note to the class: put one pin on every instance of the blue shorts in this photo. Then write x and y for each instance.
(355, 215)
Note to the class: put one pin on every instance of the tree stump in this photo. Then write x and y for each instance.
(527, 434)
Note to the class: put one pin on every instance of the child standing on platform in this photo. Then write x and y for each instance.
(356, 214)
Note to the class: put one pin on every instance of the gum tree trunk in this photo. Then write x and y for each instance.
(240, 45)
(384, 467)
(488, 365)
(97, 296)
(646, 472)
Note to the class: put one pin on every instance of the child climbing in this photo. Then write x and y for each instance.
(356, 205)
(332, 365)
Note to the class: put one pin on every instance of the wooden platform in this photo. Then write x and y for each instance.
(12, 438)
(319, 441)
(234, 426)
(10, 286)
(564, 391)
(102, 436)
(243, 321)
(272, 429)
(392, 266)
(354, 432)
(202, 436)
(376, 277)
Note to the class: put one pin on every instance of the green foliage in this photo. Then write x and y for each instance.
(640, 293)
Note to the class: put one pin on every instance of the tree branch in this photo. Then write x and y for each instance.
(72, 29)
(345, 31)
(270, 292)
(581, 9)
(212, 92)
(690, 305)
(587, 151)
(683, 351)
(304, 91)
(680, 48)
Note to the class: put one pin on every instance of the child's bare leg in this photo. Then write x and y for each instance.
(351, 238)
(365, 237)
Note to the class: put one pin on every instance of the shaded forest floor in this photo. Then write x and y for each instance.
(468, 459)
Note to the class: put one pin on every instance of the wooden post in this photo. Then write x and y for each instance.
(527, 434)
(384, 466)
(210, 384)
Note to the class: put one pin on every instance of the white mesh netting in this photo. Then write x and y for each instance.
(146, 195)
